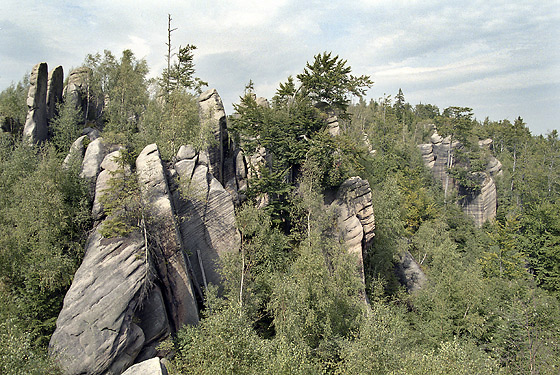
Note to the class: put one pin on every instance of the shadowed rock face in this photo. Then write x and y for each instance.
(206, 216)
(36, 125)
(410, 273)
(54, 91)
(213, 117)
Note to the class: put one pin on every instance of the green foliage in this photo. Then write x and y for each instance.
(44, 217)
(181, 74)
(13, 106)
(171, 124)
(328, 80)
(506, 258)
(66, 126)
(123, 85)
(18, 355)
(121, 201)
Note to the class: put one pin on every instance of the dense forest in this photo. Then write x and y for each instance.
(293, 301)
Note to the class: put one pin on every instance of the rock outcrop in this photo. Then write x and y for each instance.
(355, 218)
(149, 367)
(213, 117)
(79, 92)
(168, 252)
(410, 273)
(95, 332)
(206, 216)
(481, 206)
(54, 91)
(36, 125)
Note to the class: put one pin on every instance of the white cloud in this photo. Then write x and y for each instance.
(443, 50)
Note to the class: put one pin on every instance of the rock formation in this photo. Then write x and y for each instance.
(169, 257)
(95, 332)
(54, 91)
(410, 273)
(213, 117)
(149, 367)
(36, 125)
(206, 216)
(355, 219)
(78, 90)
(480, 206)
(132, 292)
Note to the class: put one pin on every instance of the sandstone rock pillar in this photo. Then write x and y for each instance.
(36, 130)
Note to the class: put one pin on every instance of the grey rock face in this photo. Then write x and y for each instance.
(94, 331)
(169, 257)
(94, 155)
(36, 126)
(207, 219)
(54, 91)
(149, 367)
(213, 117)
(410, 273)
(482, 206)
(356, 221)
(76, 152)
(78, 91)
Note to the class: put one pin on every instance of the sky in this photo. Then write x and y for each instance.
(500, 58)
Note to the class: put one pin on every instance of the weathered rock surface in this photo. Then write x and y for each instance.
(36, 125)
(213, 117)
(95, 332)
(94, 155)
(169, 259)
(78, 91)
(149, 367)
(356, 221)
(207, 219)
(481, 206)
(54, 91)
(410, 273)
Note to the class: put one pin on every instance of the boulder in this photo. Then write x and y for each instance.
(168, 255)
(36, 125)
(410, 273)
(95, 332)
(94, 155)
(54, 91)
(76, 152)
(186, 152)
(149, 367)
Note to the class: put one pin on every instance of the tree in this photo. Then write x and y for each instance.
(66, 126)
(13, 106)
(328, 80)
(179, 75)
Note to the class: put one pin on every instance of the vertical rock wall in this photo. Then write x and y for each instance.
(168, 253)
(54, 91)
(36, 126)
(481, 206)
